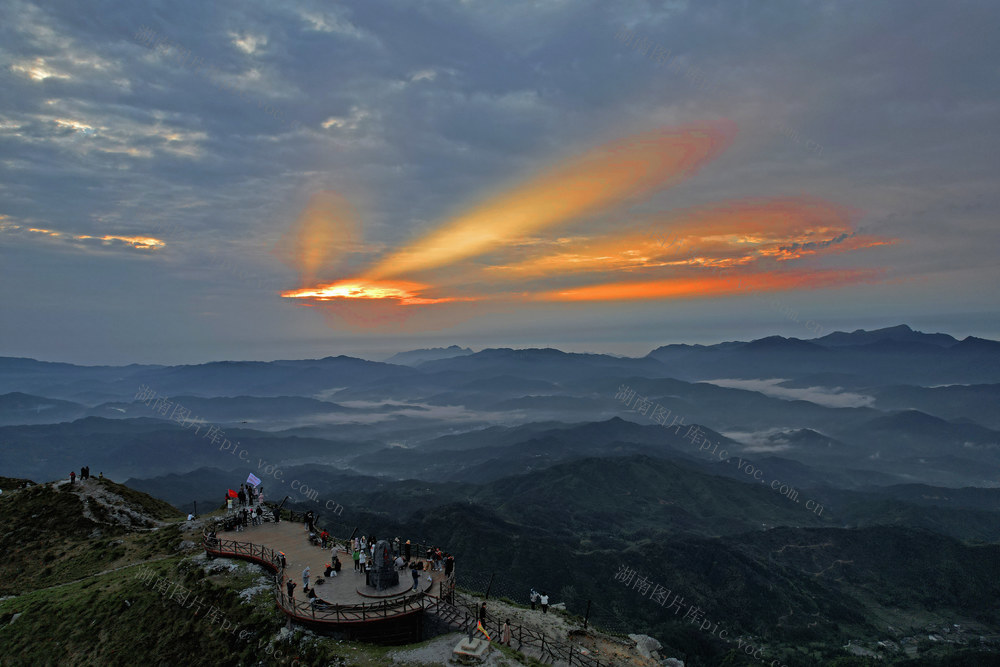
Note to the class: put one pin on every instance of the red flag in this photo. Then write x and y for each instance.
(233, 494)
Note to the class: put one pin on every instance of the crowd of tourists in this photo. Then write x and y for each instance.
(404, 558)
(245, 507)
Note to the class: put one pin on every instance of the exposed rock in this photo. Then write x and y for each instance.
(646, 645)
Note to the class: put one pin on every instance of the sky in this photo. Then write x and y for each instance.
(185, 182)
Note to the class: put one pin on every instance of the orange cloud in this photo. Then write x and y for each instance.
(735, 233)
(135, 242)
(711, 286)
(138, 242)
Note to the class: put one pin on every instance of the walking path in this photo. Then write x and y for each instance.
(91, 576)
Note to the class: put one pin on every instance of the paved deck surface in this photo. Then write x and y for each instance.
(293, 539)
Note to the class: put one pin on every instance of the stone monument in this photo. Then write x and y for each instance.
(382, 573)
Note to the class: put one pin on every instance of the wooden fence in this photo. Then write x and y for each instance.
(528, 638)
(326, 612)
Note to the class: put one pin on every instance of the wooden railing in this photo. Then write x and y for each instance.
(326, 612)
(547, 647)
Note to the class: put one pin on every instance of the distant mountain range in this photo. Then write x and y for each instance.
(863, 401)
(857, 468)
(417, 357)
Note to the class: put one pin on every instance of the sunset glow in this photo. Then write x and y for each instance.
(405, 294)
(724, 285)
(524, 256)
(566, 192)
(326, 229)
(107, 240)
(140, 242)
(736, 233)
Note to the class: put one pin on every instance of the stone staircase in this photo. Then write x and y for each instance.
(445, 617)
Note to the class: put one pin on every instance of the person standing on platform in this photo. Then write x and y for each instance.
(449, 565)
(416, 578)
(290, 585)
(336, 566)
(364, 560)
(305, 579)
(406, 551)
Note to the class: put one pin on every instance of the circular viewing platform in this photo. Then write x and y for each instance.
(344, 604)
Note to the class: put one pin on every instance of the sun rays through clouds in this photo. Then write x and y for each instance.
(564, 235)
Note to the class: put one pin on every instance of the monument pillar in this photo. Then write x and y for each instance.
(382, 573)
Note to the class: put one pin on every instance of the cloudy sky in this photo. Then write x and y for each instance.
(190, 181)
